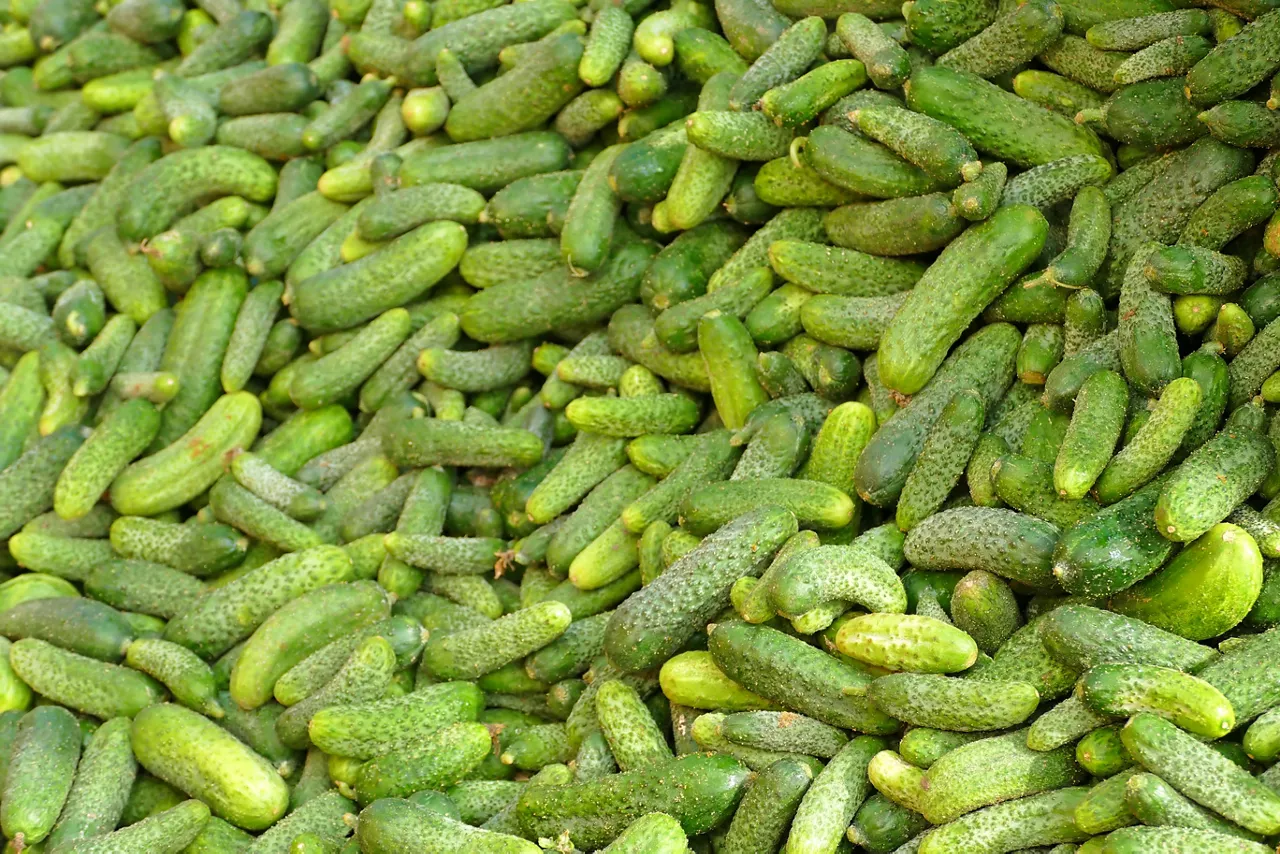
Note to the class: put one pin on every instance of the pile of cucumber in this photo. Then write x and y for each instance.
(642, 426)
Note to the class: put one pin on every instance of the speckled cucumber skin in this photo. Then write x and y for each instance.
(45, 752)
(1155, 443)
(1245, 677)
(1208, 587)
(962, 705)
(103, 778)
(1009, 41)
(814, 504)
(909, 642)
(438, 759)
(1026, 134)
(985, 362)
(852, 573)
(191, 753)
(654, 623)
(1212, 482)
(1157, 804)
(1202, 773)
(1160, 210)
(299, 628)
(82, 683)
(1044, 819)
(1064, 723)
(162, 190)
(1127, 689)
(942, 459)
(1082, 636)
(634, 737)
(797, 675)
(231, 613)
(372, 729)
(991, 770)
(833, 798)
(1236, 65)
(1010, 544)
(697, 790)
(1113, 549)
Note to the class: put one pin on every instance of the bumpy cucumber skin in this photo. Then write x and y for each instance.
(1202, 773)
(1212, 481)
(1155, 443)
(104, 776)
(1160, 210)
(1113, 549)
(1208, 588)
(231, 613)
(991, 770)
(1230, 70)
(1009, 544)
(963, 705)
(652, 624)
(162, 189)
(1028, 135)
(392, 824)
(46, 750)
(942, 459)
(709, 789)
(241, 786)
(339, 298)
(984, 362)
(798, 676)
(1127, 689)
(1082, 636)
(1044, 819)
(187, 467)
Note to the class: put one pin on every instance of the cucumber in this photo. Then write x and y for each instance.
(164, 188)
(1160, 210)
(1202, 773)
(815, 505)
(1236, 675)
(862, 165)
(1130, 689)
(173, 476)
(946, 450)
(991, 770)
(596, 812)
(1234, 68)
(1212, 481)
(1043, 819)
(1113, 549)
(1132, 839)
(1009, 41)
(240, 785)
(782, 62)
(1210, 584)
(903, 226)
(1157, 804)
(46, 750)
(389, 825)
(366, 730)
(797, 675)
(1009, 544)
(1082, 637)
(104, 776)
(80, 625)
(651, 625)
(996, 122)
(984, 362)
(231, 612)
(953, 704)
